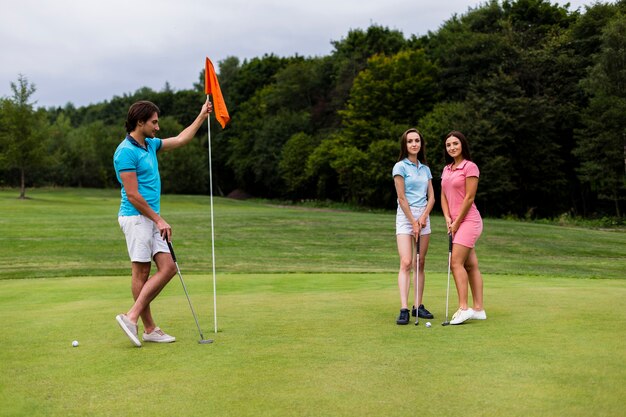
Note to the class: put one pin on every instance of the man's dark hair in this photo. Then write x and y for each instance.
(140, 111)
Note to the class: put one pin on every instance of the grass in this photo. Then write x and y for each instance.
(65, 232)
(314, 344)
(317, 339)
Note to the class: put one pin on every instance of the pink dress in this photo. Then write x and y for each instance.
(453, 187)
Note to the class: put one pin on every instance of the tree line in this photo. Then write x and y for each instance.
(538, 89)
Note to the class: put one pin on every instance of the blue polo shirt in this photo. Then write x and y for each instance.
(131, 156)
(416, 178)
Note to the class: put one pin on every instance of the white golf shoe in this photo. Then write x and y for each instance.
(479, 315)
(129, 328)
(158, 336)
(462, 316)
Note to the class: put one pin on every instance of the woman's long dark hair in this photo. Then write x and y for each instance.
(465, 151)
(404, 152)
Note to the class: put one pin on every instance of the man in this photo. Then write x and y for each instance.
(146, 232)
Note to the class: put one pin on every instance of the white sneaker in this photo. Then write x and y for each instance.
(129, 328)
(461, 316)
(479, 315)
(158, 336)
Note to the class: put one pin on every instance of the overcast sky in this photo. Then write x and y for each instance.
(87, 51)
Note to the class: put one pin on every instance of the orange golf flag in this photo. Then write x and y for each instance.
(212, 86)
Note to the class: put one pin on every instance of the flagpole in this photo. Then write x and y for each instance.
(212, 87)
(212, 226)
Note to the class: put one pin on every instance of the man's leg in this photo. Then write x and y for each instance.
(166, 269)
(141, 272)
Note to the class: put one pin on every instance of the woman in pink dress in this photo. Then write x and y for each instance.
(459, 182)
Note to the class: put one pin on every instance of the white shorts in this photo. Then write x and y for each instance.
(404, 226)
(142, 238)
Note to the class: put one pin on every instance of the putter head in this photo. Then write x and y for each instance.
(445, 323)
(417, 321)
(205, 341)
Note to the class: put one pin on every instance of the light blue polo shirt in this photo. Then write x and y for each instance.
(131, 156)
(416, 179)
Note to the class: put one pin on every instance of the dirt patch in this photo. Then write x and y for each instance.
(238, 194)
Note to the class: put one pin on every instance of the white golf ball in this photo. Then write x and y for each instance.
(428, 324)
(75, 343)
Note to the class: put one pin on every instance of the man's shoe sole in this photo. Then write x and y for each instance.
(172, 340)
(128, 331)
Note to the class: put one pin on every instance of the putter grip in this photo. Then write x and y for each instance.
(449, 242)
(169, 245)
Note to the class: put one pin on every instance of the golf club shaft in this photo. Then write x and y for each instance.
(169, 244)
(417, 277)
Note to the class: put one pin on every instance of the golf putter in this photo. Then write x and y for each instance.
(417, 276)
(202, 340)
(445, 323)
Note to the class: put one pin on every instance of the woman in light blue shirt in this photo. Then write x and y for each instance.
(416, 199)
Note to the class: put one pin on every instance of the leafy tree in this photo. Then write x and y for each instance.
(183, 170)
(319, 167)
(292, 166)
(532, 21)
(468, 48)
(241, 83)
(350, 56)
(386, 98)
(347, 173)
(257, 140)
(393, 90)
(228, 73)
(80, 157)
(514, 69)
(444, 117)
(379, 189)
(243, 86)
(297, 86)
(60, 129)
(83, 156)
(22, 131)
(601, 143)
(265, 122)
(521, 163)
(349, 163)
(586, 31)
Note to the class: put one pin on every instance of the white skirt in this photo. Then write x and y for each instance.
(404, 226)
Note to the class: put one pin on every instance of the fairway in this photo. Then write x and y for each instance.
(307, 301)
